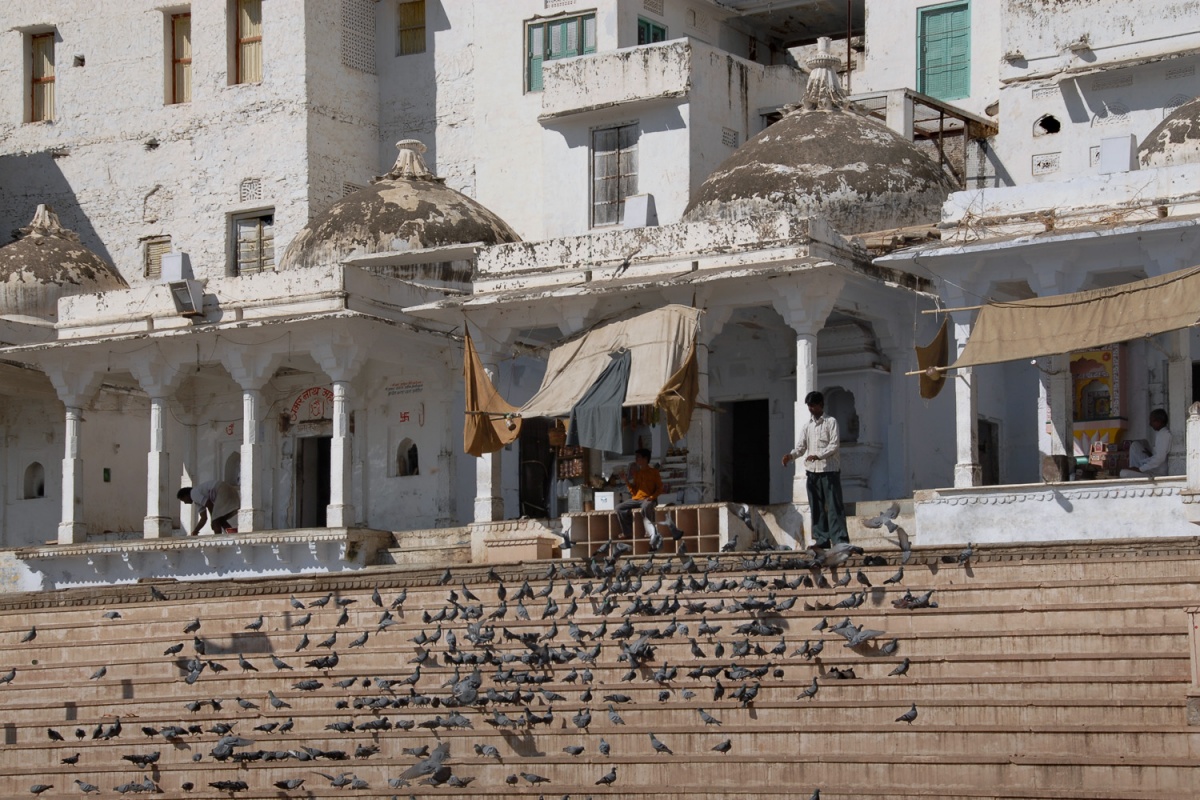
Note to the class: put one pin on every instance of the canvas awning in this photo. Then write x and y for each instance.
(658, 341)
(1046, 326)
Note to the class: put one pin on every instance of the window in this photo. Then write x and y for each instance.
(650, 32)
(944, 51)
(254, 244)
(41, 77)
(181, 58)
(153, 252)
(410, 30)
(248, 42)
(560, 38)
(614, 172)
(35, 481)
(407, 461)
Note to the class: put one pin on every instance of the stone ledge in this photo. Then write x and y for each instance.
(201, 558)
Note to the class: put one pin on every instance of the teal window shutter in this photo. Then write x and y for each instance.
(944, 51)
(537, 47)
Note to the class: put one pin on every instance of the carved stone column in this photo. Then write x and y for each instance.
(967, 470)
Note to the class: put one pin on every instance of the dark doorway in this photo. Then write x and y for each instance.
(312, 480)
(537, 461)
(989, 452)
(745, 448)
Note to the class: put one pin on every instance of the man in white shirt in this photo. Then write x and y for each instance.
(820, 444)
(217, 499)
(1151, 463)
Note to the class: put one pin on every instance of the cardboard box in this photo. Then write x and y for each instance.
(605, 501)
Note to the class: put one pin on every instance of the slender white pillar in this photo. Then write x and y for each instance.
(806, 381)
(967, 471)
(71, 530)
(1193, 447)
(340, 513)
(250, 515)
(158, 519)
(1054, 407)
(1179, 396)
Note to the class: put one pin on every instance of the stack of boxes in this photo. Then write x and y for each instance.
(1109, 457)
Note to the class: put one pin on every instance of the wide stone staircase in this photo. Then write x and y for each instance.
(1047, 671)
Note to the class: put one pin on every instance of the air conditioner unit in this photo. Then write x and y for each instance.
(176, 267)
(188, 296)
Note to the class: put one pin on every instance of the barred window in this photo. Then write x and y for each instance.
(153, 252)
(614, 172)
(254, 242)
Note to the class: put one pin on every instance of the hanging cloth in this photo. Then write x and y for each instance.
(596, 418)
(485, 429)
(678, 397)
(936, 354)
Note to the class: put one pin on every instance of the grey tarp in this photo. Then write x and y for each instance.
(596, 418)
(658, 342)
(1065, 323)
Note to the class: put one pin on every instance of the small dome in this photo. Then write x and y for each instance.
(826, 160)
(46, 263)
(1176, 140)
(407, 209)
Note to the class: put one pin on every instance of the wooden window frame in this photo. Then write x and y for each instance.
(401, 29)
(239, 40)
(149, 268)
(651, 27)
(35, 81)
(178, 61)
(263, 264)
(541, 31)
(618, 177)
(922, 81)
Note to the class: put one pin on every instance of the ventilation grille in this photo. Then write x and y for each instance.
(358, 35)
(250, 190)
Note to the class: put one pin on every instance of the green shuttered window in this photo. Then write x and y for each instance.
(560, 38)
(944, 50)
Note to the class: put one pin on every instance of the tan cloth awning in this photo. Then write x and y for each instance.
(659, 342)
(1046, 326)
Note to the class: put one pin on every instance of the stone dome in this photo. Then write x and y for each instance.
(407, 209)
(1176, 140)
(826, 160)
(46, 263)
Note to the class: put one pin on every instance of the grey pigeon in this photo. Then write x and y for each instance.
(908, 716)
(98, 674)
(885, 518)
(256, 625)
(901, 668)
(300, 622)
(38, 788)
(573, 749)
(192, 626)
(658, 746)
(87, 788)
(723, 747)
(533, 778)
(609, 779)
(279, 663)
(294, 783)
(111, 615)
(29, 637)
(708, 718)
(8, 676)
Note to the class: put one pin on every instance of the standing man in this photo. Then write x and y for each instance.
(1150, 462)
(821, 441)
(217, 499)
(645, 485)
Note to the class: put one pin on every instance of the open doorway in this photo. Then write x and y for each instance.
(989, 452)
(537, 461)
(312, 480)
(744, 452)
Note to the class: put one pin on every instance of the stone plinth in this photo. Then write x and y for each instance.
(1110, 509)
(515, 540)
(273, 553)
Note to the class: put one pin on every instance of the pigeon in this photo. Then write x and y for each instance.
(246, 665)
(899, 576)
(112, 614)
(573, 749)
(174, 649)
(604, 747)
(965, 556)
(533, 778)
(230, 786)
(659, 747)
(609, 779)
(87, 788)
(192, 626)
(275, 701)
(8, 676)
(708, 718)
(901, 668)
(98, 674)
(304, 642)
(908, 716)
(885, 518)
(279, 663)
(614, 717)
(320, 602)
(294, 783)
(29, 637)
(429, 765)
(296, 603)
(256, 625)
(723, 747)
(38, 788)
(811, 691)
(72, 760)
(54, 735)
(329, 642)
(300, 622)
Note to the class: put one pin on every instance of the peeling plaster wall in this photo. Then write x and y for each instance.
(130, 166)
(890, 60)
(1041, 31)
(1113, 103)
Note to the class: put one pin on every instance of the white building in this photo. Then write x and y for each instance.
(619, 158)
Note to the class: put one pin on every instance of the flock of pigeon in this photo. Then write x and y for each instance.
(473, 662)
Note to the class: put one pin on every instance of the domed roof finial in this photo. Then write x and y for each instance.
(46, 223)
(824, 90)
(409, 163)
